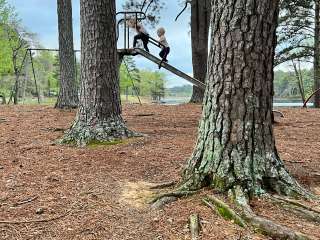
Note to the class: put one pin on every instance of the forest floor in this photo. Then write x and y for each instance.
(100, 192)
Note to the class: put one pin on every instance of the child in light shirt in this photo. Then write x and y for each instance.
(165, 49)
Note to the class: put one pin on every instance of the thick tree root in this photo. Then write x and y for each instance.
(162, 202)
(261, 224)
(223, 210)
(296, 203)
(271, 228)
(176, 194)
(297, 208)
(247, 217)
(162, 199)
(163, 185)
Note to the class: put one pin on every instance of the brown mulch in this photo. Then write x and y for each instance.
(98, 192)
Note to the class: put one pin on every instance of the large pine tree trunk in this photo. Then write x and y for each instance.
(200, 23)
(68, 94)
(317, 54)
(99, 115)
(236, 145)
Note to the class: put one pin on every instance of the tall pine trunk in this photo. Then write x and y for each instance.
(317, 54)
(99, 114)
(68, 94)
(236, 145)
(200, 23)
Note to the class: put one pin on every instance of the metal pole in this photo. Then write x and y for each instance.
(128, 33)
(125, 30)
(34, 76)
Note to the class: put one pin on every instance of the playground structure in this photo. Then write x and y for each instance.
(28, 52)
(127, 50)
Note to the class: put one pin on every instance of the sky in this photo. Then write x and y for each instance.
(40, 17)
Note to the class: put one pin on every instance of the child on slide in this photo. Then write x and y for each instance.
(142, 34)
(165, 49)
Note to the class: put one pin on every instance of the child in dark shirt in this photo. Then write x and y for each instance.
(142, 34)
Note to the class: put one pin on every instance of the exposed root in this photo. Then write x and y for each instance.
(297, 208)
(292, 188)
(261, 224)
(223, 210)
(162, 202)
(162, 199)
(244, 216)
(296, 203)
(163, 185)
(176, 194)
(271, 228)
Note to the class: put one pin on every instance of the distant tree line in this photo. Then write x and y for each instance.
(287, 84)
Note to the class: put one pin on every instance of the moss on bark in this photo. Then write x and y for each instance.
(109, 132)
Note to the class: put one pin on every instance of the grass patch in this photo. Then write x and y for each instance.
(96, 143)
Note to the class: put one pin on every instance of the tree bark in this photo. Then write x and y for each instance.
(99, 114)
(200, 23)
(68, 94)
(317, 54)
(236, 145)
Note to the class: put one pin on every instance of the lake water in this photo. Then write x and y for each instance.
(277, 103)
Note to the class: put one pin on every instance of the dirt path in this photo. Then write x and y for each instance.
(101, 188)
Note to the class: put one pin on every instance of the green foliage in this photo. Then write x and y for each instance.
(5, 59)
(14, 40)
(143, 83)
(152, 8)
(295, 31)
(153, 84)
(285, 83)
(181, 91)
(47, 72)
(130, 77)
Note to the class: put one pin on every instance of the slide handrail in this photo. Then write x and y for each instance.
(138, 16)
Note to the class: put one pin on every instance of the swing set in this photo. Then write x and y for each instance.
(29, 52)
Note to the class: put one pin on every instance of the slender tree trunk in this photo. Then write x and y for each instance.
(99, 114)
(317, 54)
(16, 88)
(236, 145)
(200, 23)
(299, 80)
(68, 94)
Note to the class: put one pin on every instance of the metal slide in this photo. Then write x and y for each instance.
(136, 51)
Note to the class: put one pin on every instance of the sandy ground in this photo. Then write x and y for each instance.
(101, 192)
